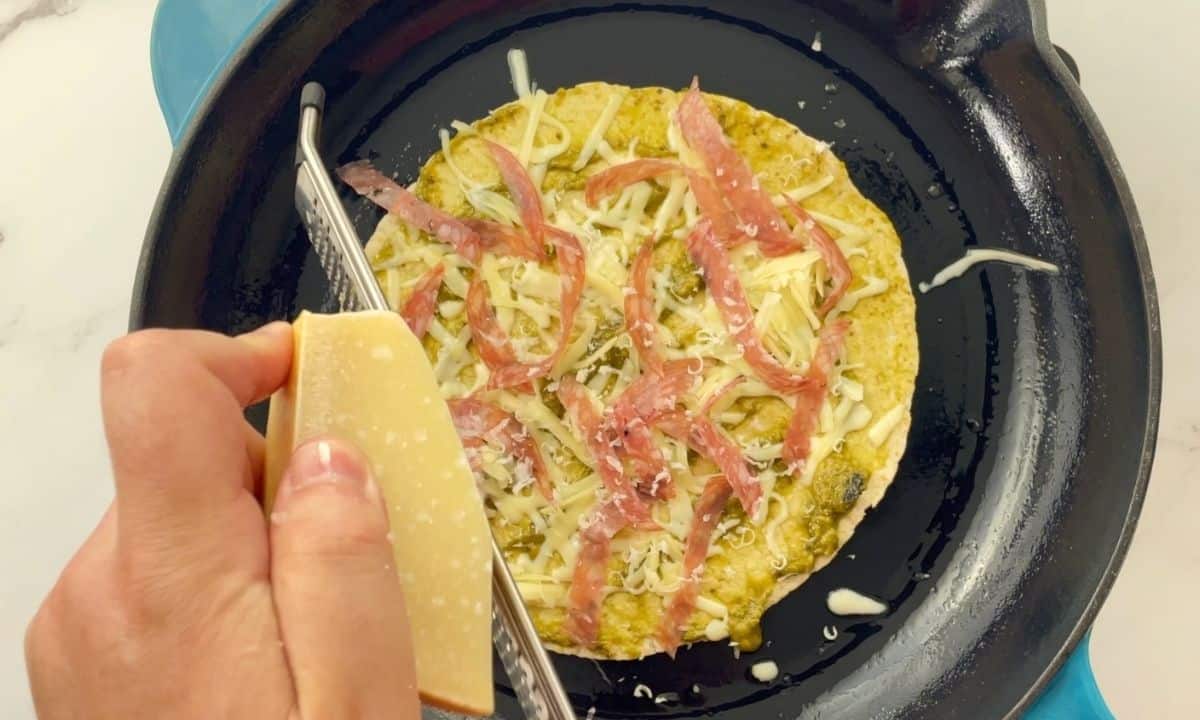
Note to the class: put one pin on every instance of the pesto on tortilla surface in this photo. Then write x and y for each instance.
(540, 472)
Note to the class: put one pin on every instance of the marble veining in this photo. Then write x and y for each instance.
(10, 320)
(33, 11)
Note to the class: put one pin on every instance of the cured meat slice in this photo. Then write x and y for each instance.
(586, 595)
(599, 440)
(501, 238)
(798, 441)
(571, 273)
(835, 260)
(640, 318)
(526, 196)
(758, 217)
(615, 178)
(705, 515)
(387, 193)
(706, 438)
(479, 422)
(730, 298)
(418, 309)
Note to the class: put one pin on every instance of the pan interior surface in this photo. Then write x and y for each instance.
(1015, 491)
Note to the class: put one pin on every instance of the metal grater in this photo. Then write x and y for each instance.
(534, 680)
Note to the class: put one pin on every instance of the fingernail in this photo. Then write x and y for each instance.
(328, 461)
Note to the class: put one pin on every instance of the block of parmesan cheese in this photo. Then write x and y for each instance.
(365, 377)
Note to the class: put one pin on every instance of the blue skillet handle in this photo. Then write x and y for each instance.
(1072, 694)
(190, 42)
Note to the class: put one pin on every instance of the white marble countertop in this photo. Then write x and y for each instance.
(82, 152)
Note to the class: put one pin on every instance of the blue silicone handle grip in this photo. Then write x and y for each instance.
(1072, 694)
(191, 40)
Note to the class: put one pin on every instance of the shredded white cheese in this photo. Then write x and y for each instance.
(596, 135)
(844, 601)
(536, 107)
(716, 629)
(883, 427)
(799, 194)
(459, 175)
(518, 68)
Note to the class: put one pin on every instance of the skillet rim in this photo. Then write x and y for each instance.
(1065, 76)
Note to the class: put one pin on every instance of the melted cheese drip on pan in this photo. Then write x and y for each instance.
(974, 256)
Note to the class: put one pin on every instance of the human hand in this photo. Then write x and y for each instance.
(185, 602)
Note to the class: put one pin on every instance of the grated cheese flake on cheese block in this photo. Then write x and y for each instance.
(361, 376)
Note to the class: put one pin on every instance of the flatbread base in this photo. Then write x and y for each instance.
(883, 339)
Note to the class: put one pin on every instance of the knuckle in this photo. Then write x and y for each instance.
(44, 628)
(35, 637)
(68, 598)
(134, 350)
(145, 378)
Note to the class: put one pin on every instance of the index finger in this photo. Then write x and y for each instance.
(172, 402)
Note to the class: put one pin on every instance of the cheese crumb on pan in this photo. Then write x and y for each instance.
(845, 601)
(765, 671)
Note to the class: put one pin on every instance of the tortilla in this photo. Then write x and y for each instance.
(753, 562)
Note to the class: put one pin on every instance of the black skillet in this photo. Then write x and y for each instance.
(1037, 401)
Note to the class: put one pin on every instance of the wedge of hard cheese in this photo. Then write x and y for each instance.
(364, 377)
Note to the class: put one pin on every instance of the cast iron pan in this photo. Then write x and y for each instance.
(1036, 404)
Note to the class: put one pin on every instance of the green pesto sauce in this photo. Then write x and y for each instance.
(882, 344)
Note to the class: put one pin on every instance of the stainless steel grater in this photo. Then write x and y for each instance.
(337, 245)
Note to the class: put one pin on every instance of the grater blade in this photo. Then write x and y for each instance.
(353, 284)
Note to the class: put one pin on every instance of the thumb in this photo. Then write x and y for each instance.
(341, 610)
